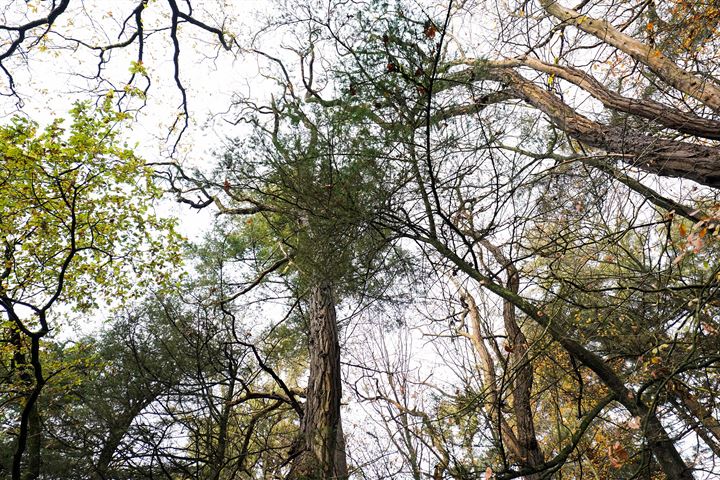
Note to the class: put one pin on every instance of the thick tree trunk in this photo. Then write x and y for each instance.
(323, 452)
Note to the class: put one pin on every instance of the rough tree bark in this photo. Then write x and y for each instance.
(322, 454)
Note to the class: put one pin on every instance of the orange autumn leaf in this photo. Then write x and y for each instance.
(617, 455)
(430, 29)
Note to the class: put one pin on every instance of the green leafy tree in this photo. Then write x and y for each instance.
(78, 226)
(308, 221)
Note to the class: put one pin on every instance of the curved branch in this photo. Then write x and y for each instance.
(662, 157)
(657, 112)
(657, 437)
(22, 31)
(702, 89)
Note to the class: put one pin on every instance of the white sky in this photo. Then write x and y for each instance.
(51, 79)
(49, 84)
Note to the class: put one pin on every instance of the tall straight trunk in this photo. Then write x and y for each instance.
(323, 452)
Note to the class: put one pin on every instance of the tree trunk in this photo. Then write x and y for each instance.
(323, 453)
(505, 436)
(219, 453)
(117, 430)
(658, 440)
(521, 368)
(110, 446)
(30, 434)
(34, 443)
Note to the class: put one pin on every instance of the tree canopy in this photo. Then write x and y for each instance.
(447, 240)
